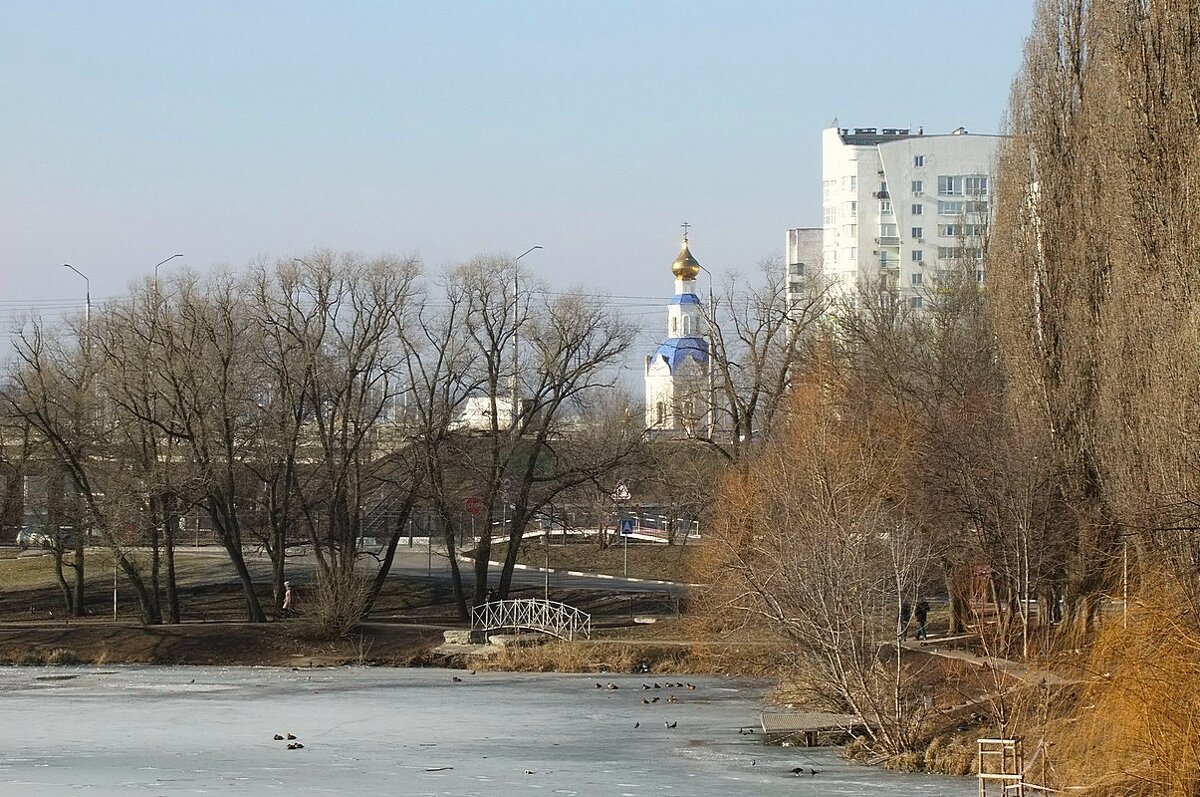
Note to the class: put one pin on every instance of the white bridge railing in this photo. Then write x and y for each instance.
(551, 617)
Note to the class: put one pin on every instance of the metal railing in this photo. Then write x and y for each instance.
(550, 617)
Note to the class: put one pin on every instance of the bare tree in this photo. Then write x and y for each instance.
(54, 389)
(811, 541)
(757, 342)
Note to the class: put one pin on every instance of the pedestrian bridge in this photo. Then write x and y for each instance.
(549, 617)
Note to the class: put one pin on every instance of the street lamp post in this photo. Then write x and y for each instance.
(87, 307)
(512, 410)
(168, 260)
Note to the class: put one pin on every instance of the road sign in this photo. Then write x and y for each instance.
(627, 525)
(474, 505)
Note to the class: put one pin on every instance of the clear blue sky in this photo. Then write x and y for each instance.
(231, 130)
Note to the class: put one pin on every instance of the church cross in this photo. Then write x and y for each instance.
(685, 227)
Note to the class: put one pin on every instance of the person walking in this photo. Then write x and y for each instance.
(922, 614)
(287, 598)
(905, 616)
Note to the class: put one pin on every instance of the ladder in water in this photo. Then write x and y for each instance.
(1001, 763)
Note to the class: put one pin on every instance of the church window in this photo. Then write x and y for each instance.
(674, 326)
(660, 412)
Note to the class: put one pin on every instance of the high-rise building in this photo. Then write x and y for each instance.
(678, 386)
(803, 261)
(901, 208)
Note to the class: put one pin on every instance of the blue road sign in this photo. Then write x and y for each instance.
(627, 525)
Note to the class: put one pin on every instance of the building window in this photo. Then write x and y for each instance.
(918, 232)
(660, 412)
(854, 253)
(888, 231)
(850, 183)
(918, 209)
(950, 208)
(918, 160)
(850, 230)
(979, 277)
(851, 209)
(674, 326)
(975, 185)
(797, 270)
(827, 189)
(885, 207)
(916, 302)
(918, 255)
(950, 185)
(917, 187)
(916, 278)
(956, 252)
(965, 230)
(830, 216)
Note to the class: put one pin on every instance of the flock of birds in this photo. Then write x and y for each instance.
(295, 744)
(290, 738)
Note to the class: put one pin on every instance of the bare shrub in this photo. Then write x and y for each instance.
(336, 605)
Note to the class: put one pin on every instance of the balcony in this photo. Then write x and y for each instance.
(882, 194)
(888, 240)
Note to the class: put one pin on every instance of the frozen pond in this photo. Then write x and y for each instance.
(207, 730)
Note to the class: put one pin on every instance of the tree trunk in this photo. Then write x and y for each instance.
(63, 586)
(79, 606)
(171, 523)
(227, 529)
(389, 555)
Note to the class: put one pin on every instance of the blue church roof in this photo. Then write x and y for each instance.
(685, 298)
(675, 350)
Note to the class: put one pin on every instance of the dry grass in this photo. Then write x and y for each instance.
(617, 656)
(653, 561)
(1136, 729)
(36, 657)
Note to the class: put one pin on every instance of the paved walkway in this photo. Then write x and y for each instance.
(1017, 670)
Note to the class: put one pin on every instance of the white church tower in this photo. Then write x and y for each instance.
(677, 378)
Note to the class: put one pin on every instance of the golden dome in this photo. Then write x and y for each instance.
(685, 266)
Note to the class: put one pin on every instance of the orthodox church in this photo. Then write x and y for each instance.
(678, 383)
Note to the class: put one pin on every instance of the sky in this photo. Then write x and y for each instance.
(233, 131)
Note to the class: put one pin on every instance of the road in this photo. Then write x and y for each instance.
(416, 563)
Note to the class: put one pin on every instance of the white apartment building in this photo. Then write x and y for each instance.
(803, 260)
(899, 208)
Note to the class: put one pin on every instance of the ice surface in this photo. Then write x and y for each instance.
(205, 730)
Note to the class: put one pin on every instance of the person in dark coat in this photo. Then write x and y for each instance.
(905, 616)
(922, 614)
